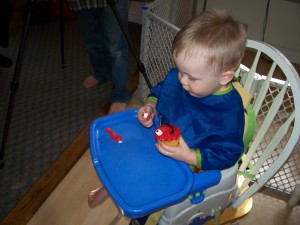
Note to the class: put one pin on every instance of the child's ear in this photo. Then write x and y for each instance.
(226, 77)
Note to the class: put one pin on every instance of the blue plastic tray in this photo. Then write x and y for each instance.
(139, 179)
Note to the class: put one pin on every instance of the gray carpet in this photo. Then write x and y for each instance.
(51, 106)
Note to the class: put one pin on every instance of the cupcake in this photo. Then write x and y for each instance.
(168, 134)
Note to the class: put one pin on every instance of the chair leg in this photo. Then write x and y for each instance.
(231, 215)
(116, 219)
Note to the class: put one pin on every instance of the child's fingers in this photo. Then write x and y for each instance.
(164, 149)
(147, 115)
(144, 112)
(147, 112)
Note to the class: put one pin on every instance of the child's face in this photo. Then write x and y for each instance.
(196, 77)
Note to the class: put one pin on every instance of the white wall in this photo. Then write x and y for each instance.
(283, 27)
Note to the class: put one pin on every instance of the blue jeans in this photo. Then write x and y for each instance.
(107, 47)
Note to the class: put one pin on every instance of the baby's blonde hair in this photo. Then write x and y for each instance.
(215, 37)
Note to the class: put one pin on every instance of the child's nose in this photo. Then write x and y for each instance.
(184, 79)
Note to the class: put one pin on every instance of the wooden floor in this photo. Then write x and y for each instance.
(68, 202)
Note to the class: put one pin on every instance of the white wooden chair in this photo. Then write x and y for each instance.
(276, 105)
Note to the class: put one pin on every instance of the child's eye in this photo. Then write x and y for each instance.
(192, 79)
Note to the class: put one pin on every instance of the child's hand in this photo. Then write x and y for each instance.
(145, 115)
(181, 152)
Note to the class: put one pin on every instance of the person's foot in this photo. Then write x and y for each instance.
(5, 61)
(90, 82)
(96, 197)
(116, 107)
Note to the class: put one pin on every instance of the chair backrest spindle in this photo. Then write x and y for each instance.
(268, 151)
(264, 127)
(263, 90)
(251, 74)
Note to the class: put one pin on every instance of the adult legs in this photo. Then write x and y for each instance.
(108, 50)
(117, 50)
(92, 39)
